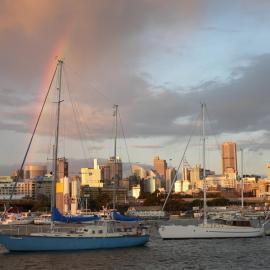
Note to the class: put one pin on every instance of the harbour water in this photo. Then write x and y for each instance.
(157, 254)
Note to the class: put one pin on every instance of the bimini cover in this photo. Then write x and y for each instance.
(117, 216)
(58, 217)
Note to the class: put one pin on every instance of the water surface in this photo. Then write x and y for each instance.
(158, 254)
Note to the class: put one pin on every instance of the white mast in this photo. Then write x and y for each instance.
(203, 154)
(242, 180)
(115, 162)
(53, 203)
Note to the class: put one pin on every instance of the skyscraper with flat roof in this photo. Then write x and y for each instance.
(229, 158)
(116, 169)
(160, 166)
(62, 168)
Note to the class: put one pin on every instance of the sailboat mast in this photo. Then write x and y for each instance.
(115, 162)
(242, 180)
(55, 173)
(203, 154)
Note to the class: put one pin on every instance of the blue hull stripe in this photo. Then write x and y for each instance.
(41, 243)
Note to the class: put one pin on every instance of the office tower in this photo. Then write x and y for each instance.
(116, 169)
(160, 167)
(149, 184)
(196, 175)
(93, 177)
(105, 171)
(62, 195)
(229, 158)
(186, 173)
(62, 168)
(75, 194)
(170, 174)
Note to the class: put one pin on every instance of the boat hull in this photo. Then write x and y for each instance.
(208, 231)
(41, 243)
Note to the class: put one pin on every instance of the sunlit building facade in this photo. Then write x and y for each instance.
(229, 158)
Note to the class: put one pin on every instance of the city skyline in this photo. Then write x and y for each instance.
(157, 60)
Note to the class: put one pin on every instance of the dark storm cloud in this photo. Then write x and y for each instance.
(239, 105)
(242, 104)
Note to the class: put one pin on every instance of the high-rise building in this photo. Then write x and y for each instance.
(186, 173)
(116, 169)
(160, 166)
(170, 174)
(229, 158)
(75, 194)
(62, 168)
(105, 170)
(196, 175)
(149, 184)
(93, 177)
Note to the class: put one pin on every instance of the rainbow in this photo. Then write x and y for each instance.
(58, 52)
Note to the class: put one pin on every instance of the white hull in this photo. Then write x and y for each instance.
(17, 222)
(42, 221)
(208, 231)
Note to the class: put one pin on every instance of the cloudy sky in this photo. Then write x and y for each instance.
(157, 59)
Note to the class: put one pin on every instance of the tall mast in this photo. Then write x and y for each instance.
(115, 162)
(242, 180)
(55, 152)
(203, 154)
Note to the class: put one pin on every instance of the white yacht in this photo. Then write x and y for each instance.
(229, 229)
(234, 229)
(17, 219)
(44, 219)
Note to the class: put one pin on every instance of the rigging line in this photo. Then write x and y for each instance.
(78, 112)
(75, 118)
(211, 127)
(84, 130)
(183, 156)
(109, 100)
(87, 128)
(64, 130)
(31, 139)
(122, 128)
(111, 137)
